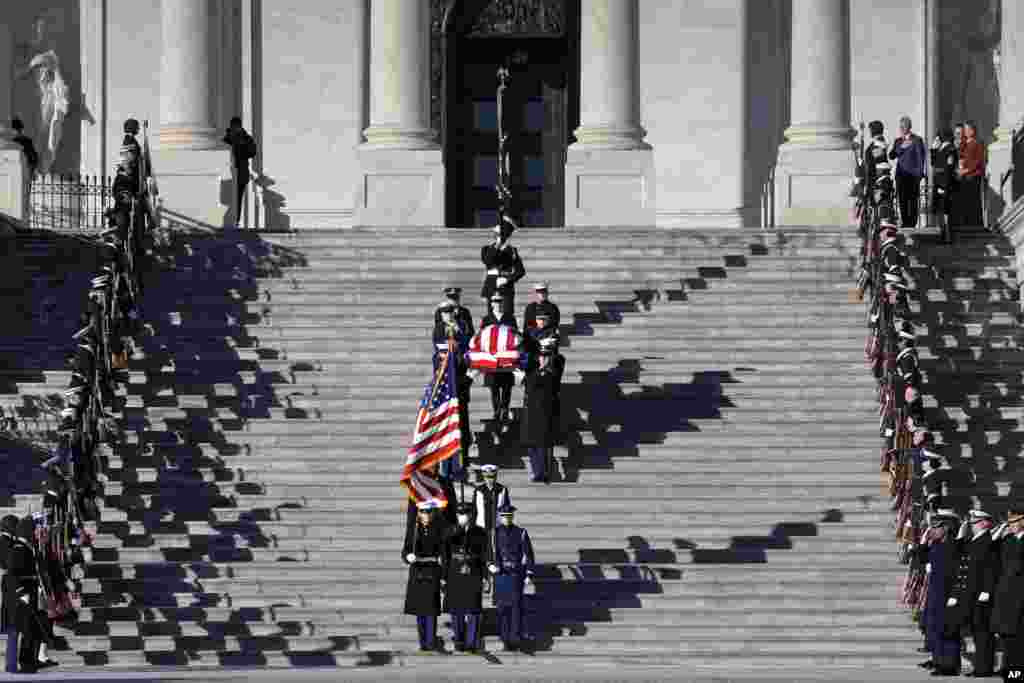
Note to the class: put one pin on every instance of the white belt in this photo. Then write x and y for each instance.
(443, 347)
(494, 271)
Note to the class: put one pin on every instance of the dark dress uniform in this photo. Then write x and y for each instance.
(503, 262)
(465, 553)
(8, 529)
(423, 591)
(446, 516)
(500, 383)
(541, 412)
(463, 334)
(943, 558)
(977, 574)
(1008, 610)
(945, 159)
(513, 555)
(487, 500)
(19, 616)
(535, 308)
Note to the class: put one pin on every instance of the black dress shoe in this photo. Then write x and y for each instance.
(927, 664)
(923, 650)
(510, 647)
(945, 672)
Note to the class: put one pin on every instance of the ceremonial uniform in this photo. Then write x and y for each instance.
(423, 551)
(514, 561)
(972, 596)
(545, 308)
(446, 515)
(8, 531)
(465, 551)
(943, 566)
(487, 499)
(944, 158)
(541, 409)
(460, 334)
(502, 261)
(462, 314)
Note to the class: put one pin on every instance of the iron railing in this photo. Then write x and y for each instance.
(67, 203)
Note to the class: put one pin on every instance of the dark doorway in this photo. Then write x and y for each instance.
(540, 109)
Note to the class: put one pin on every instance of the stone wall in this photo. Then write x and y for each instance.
(313, 58)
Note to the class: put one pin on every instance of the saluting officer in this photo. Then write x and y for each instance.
(512, 568)
(1008, 611)
(970, 602)
(423, 551)
(504, 267)
(465, 552)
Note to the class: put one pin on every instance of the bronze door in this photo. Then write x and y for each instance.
(534, 112)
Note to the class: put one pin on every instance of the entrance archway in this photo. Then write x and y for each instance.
(538, 41)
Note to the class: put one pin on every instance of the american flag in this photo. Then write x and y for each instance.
(495, 347)
(437, 436)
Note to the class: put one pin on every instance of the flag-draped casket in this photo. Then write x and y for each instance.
(495, 348)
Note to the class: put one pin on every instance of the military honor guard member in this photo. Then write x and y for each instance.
(423, 551)
(450, 327)
(943, 564)
(487, 498)
(542, 314)
(20, 595)
(446, 515)
(465, 552)
(970, 602)
(541, 406)
(504, 266)
(512, 568)
(500, 383)
(453, 295)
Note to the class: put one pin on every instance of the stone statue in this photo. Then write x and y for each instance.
(44, 67)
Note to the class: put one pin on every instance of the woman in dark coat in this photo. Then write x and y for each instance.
(541, 405)
(423, 551)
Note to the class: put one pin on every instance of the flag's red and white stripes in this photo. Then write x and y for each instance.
(495, 347)
(436, 438)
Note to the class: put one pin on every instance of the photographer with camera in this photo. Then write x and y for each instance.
(243, 148)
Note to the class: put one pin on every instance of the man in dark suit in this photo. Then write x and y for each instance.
(243, 148)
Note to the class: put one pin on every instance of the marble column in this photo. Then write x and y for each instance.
(13, 171)
(610, 169)
(1011, 103)
(815, 163)
(193, 163)
(188, 106)
(402, 178)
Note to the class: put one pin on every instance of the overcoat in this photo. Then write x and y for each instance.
(1009, 595)
(423, 590)
(942, 557)
(20, 580)
(541, 404)
(465, 553)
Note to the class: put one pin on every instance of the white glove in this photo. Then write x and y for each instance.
(983, 596)
(473, 375)
(492, 568)
(528, 579)
(24, 599)
(928, 568)
(951, 602)
(410, 558)
(519, 375)
(502, 281)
